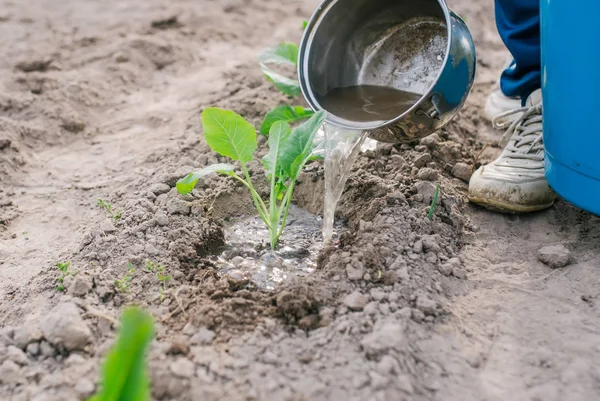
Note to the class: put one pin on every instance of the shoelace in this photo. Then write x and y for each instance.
(524, 135)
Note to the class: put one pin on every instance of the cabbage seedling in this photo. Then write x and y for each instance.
(228, 134)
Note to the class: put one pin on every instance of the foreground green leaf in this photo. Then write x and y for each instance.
(188, 183)
(288, 114)
(287, 86)
(228, 134)
(283, 53)
(124, 376)
(278, 136)
(298, 148)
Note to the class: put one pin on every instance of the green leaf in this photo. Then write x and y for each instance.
(124, 376)
(188, 183)
(284, 53)
(287, 86)
(228, 134)
(288, 114)
(278, 136)
(304, 25)
(300, 145)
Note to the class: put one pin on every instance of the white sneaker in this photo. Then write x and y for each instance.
(498, 103)
(516, 181)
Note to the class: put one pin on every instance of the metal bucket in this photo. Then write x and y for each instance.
(420, 47)
(570, 84)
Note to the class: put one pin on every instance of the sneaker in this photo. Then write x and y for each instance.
(498, 103)
(516, 181)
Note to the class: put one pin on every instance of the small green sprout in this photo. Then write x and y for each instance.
(124, 283)
(65, 270)
(434, 202)
(228, 134)
(164, 279)
(124, 375)
(108, 207)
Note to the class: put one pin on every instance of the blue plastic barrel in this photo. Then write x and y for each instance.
(571, 95)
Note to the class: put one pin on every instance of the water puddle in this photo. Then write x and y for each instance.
(341, 148)
(249, 256)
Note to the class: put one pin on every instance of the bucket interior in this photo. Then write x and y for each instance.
(398, 45)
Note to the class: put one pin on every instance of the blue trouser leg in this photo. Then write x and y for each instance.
(518, 23)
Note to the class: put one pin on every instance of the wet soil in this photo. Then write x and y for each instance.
(102, 101)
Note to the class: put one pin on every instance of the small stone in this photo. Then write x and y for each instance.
(371, 309)
(462, 171)
(378, 295)
(183, 367)
(384, 309)
(555, 256)
(422, 160)
(26, 334)
(389, 335)
(204, 336)
(426, 305)
(107, 226)
(459, 273)
(430, 141)
(427, 174)
(33, 349)
(426, 189)
(46, 349)
(85, 387)
(417, 315)
(161, 219)
(159, 189)
(65, 328)
(10, 372)
(446, 269)
(388, 365)
(354, 273)
(178, 206)
(17, 356)
(178, 346)
(430, 243)
(356, 301)
(418, 247)
(79, 286)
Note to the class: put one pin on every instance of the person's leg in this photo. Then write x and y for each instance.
(518, 23)
(516, 182)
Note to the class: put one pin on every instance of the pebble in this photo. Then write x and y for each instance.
(64, 327)
(161, 219)
(426, 305)
(428, 174)
(426, 189)
(159, 189)
(384, 309)
(422, 160)
(79, 286)
(204, 336)
(33, 349)
(430, 141)
(418, 247)
(107, 226)
(371, 309)
(459, 273)
(555, 256)
(17, 356)
(417, 315)
(356, 301)
(9, 372)
(462, 171)
(446, 269)
(183, 367)
(178, 346)
(85, 387)
(378, 295)
(354, 273)
(430, 243)
(27, 334)
(46, 349)
(390, 335)
(388, 365)
(178, 206)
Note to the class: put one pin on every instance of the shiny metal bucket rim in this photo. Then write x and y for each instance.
(309, 33)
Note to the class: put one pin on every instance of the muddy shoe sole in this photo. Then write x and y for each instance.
(504, 207)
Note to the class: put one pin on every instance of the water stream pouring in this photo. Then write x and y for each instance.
(397, 70)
